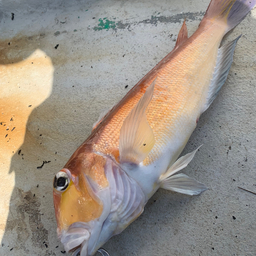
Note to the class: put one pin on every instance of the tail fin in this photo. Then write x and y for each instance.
(231, 12)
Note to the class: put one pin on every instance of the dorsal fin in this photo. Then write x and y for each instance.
(182, 36)
(136, 136)
(101, 117)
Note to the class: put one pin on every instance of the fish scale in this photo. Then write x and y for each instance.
(133, 150)
(170, 105)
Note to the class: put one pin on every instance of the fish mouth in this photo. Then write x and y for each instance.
(76, 238)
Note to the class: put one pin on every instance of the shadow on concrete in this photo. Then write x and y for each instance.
(43, 151)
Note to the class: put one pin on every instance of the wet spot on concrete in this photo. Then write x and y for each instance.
(57, 33)
(27, 223)
(13, 53)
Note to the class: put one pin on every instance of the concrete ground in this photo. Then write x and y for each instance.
(62, 63)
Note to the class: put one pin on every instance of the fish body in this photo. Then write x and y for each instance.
(133, 150)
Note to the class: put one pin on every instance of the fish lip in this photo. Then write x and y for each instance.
(77, 235)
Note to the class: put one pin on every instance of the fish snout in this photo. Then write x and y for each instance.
(76, 238)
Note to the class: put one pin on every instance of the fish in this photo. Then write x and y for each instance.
(134, 148)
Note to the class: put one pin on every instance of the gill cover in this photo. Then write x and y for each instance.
(74, 200)
(88, 214)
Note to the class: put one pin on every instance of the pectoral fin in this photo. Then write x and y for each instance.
(183, 184)
(136, 136)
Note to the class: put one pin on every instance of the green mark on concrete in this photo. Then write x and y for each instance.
(153, 20)
(105, 24)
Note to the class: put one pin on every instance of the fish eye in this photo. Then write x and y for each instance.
(61, 181)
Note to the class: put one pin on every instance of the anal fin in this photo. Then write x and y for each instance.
(223, 64)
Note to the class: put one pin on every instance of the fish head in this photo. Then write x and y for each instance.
(81, 202)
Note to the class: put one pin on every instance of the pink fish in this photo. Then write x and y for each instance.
(133, 150)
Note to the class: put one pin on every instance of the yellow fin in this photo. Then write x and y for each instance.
(136, 136)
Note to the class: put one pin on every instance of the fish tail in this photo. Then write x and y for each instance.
(230, 12)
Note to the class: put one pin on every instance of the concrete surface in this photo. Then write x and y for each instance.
(62, 63)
